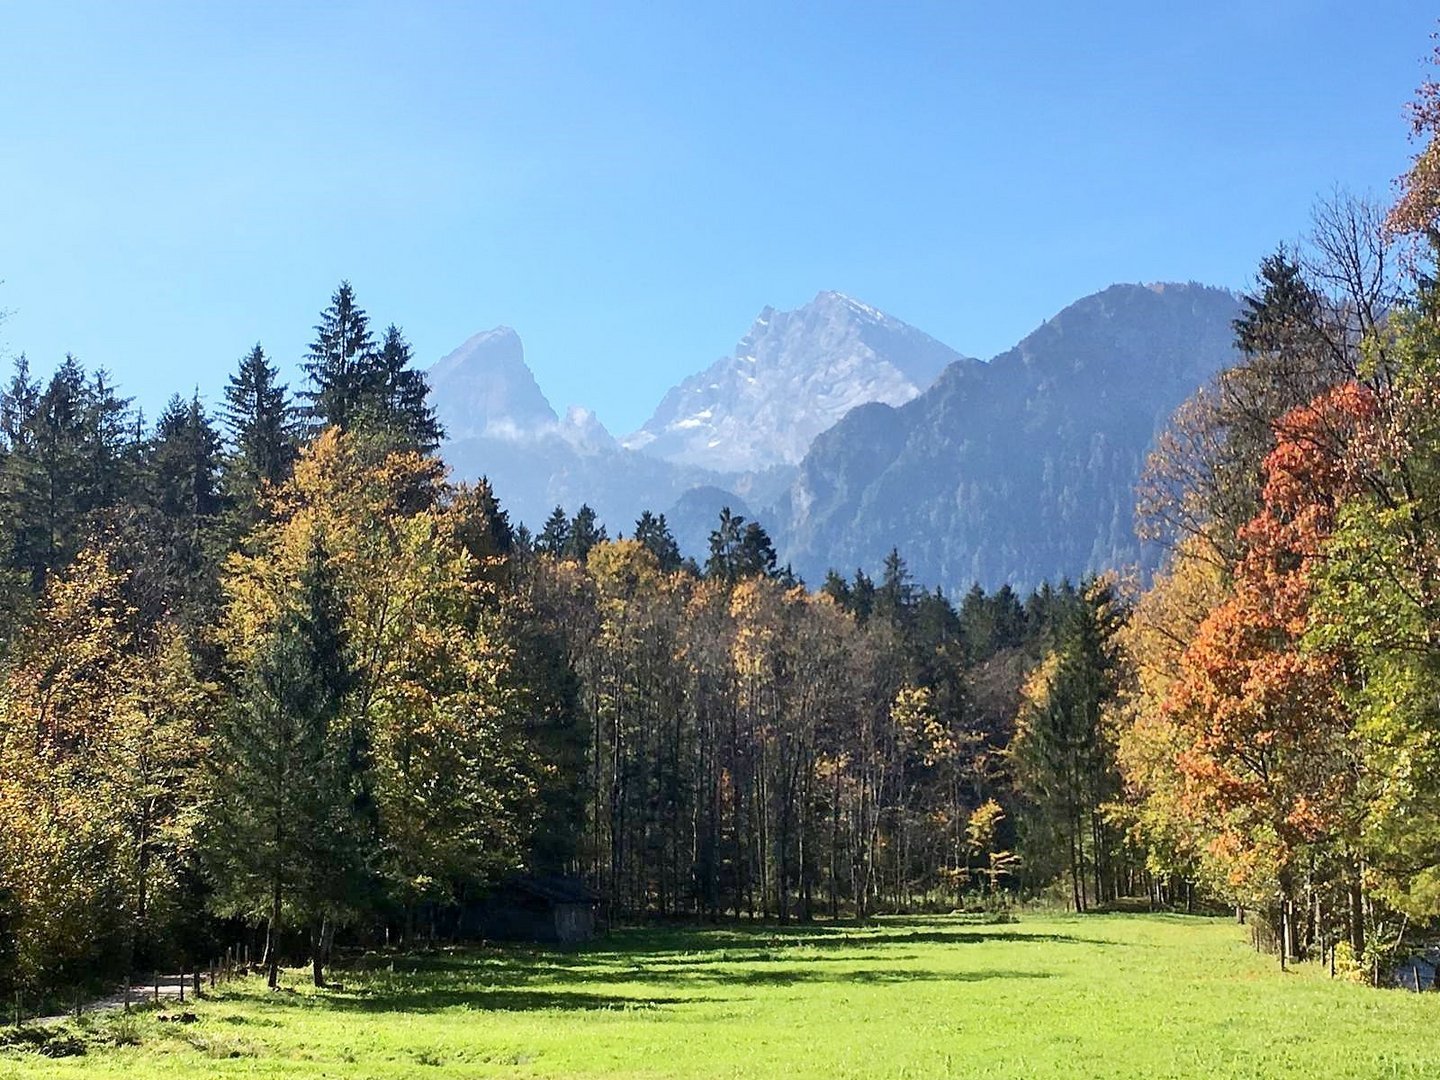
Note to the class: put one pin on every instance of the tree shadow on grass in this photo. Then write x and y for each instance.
(700, 954)
(438, 996)
(706, 960)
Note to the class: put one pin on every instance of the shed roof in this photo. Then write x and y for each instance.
(555, 888)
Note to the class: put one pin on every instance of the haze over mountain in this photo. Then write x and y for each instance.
(500, 425)
(1021, 469)
(485, 388)
(792, 376)
(820, 426)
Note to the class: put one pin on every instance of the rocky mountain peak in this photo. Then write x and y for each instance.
(793, 375)
(485, 388)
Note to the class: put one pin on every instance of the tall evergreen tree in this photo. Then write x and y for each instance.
(396, 397)
(341, 363)
(282, 840)
(895, 598)
(73, 452)
(862, 595)
(182, 481)
(584, 534)
(259, 424)
(555, 535)
(739, 550)
(838, 589)
(654, 532)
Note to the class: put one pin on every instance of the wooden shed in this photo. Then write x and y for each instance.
(533, 907)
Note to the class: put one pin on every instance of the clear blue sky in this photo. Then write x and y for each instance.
(628, 184)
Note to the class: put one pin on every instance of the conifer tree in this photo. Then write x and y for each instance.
(739, 550)
(282, 838)
(259, 425)
(396, 397)
(341, 362)
(838, 589)
(182, 479)
(584, 533)
(895, 598)
(555, 535)
(654, 532)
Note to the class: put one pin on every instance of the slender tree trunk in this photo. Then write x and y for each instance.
(317, 963)
(272, 935)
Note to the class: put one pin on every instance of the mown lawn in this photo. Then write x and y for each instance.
(1095, 996)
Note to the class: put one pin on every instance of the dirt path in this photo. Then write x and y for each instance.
(170, 988)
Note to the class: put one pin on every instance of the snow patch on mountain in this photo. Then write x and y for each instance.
(795, 374)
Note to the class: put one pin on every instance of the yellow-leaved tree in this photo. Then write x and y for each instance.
(440, 789)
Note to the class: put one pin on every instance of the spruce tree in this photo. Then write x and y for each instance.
(862, 594)
(260, 428)
(396, 397)
(182, 483)
(654, 532)
(837, 589)
(895, 597)
(340, 364)
(739, 549)
(584, 534)
(555, 535)
(283, 838)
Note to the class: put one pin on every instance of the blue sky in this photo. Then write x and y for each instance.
(628, 184)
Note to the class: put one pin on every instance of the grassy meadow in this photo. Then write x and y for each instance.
(1047, 996)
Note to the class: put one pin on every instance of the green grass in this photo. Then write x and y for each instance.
(1095, 996)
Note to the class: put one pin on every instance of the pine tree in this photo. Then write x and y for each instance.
(260, 428)
(838, 589)
(283, 837)
(18, 404)
(584, 534)
(555, 535)
(895, 598)
(182, 479)
(739, 550)
(654, 532)
(341, 363)
(73, 455)
(862, 596)
(396, 397)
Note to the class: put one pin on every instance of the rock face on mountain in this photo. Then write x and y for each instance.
(499, 425)
(1021, 469)
(791, 377)
(485, 388)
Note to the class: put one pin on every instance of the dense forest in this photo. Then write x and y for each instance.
(266, 674)
(271, 673)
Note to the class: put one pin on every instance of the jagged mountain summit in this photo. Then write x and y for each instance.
(485, 388)
(499, 424)
(1019, 470)
(791, 377)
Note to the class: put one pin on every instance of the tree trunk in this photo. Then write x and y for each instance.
(317, 963)
(272, 936)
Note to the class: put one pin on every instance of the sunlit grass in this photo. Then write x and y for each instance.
(1097, 996)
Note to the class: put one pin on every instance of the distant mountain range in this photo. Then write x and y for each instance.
(829, 424)
(795, 374)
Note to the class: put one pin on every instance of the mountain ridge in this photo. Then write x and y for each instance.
(1019, 469)
(793, 374)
